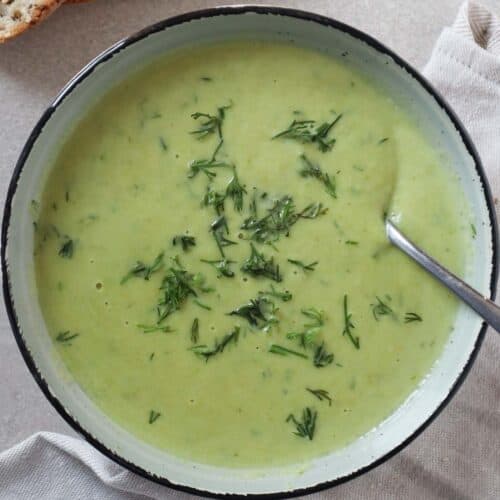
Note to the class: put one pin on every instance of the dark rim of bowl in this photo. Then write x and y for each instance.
(160, 26)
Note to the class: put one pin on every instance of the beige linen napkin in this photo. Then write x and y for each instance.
(456, 457)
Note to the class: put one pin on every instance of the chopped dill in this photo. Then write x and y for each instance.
(411, 316)
(215, 199)
(284, 296)
(385, 139)
(184, 241)
(279, 219)
(259, 265)
(155, 328)
(304, 267)
(310, 169)
(259, 312)
(205, 352)
(195, 331)
(307, 426)
(283, 351)
(473, 229)
(221, 266)
(141, 270)
(322, 357)
(202, 305)
(307, 131)
(66, 337)
(235, 191)
(352, 242)
(217, 228)
(67, 249)
(163, 144)
(206, 166)
(321, 394)
(205, 79)
(349, 325)
(153, 416)
(381, 308)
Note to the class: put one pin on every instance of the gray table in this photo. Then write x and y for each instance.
(32, 70)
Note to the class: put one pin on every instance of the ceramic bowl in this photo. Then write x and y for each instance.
(406, 86)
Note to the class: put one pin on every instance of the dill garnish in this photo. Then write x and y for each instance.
(258, 265)
(66, 337)
(473, 229)
(307, 426)
(221, 266)
(304, 267)
(217, 228)
(235, 191)
(141, 270)
(215, 199)
(184, 241)
(259, 312)
(205, 79)
(380, 309)
(308, 335)
(283, 351)
(154, 416)
(309, 169)
(410, 317)
(219, 346)
(155, 328)
(321, 394)
(195, 331)
(349, 326)
(279, 219)
(284, 296)
(202, 305)
(177, 285)
(385, 139)
(351, 242)
(163, 144)
(67, 249)
(206, 166)
(209, 124)
(322, 357)
(307, 131)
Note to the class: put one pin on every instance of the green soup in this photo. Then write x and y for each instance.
(211, 259)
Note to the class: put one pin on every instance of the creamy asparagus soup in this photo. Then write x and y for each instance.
(211, 259)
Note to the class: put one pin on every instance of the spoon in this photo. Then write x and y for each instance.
(483, 306)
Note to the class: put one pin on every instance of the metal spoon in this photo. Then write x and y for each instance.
(488, 310)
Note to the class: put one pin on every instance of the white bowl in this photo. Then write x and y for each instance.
(406, 86)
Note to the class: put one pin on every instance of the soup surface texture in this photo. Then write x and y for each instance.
(211, 260)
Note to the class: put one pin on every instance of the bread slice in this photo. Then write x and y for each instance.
(18, 15)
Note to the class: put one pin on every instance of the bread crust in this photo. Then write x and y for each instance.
(17, 16)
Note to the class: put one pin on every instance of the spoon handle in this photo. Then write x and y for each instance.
(487, 309)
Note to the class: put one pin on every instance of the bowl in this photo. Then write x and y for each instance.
(407, 87)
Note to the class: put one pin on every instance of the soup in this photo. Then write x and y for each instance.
(211, 259)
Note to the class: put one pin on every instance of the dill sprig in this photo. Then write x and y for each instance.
(307, 426)
(321, 394)
(349, 325)
(177, 285)
(308, 336)
(66, 250)
(235, 191)
(153, 416)
(304, 267)
(322, 357)
(259, 312)
(221, 266)
(195, 331)
(307, 131)
(184, 241)
(215, 199)
(66, 337)
(206, 166)
(155, 328)
(205, 352)
(411, 316)
(259, 265)
(284, 296)
(142, 270)
(209, 124)
(310, 169)
(381, 308)
(279, 219)
(218, 227)
(283, 351)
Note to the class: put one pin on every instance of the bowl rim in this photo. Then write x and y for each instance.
(122, 44)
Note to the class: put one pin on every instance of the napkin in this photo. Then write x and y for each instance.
(465, 68)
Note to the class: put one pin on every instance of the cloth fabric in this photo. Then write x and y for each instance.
(448, 460)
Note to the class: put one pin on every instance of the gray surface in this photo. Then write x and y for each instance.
(35, 66)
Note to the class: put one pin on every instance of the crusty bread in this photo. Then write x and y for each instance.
(18, 15)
